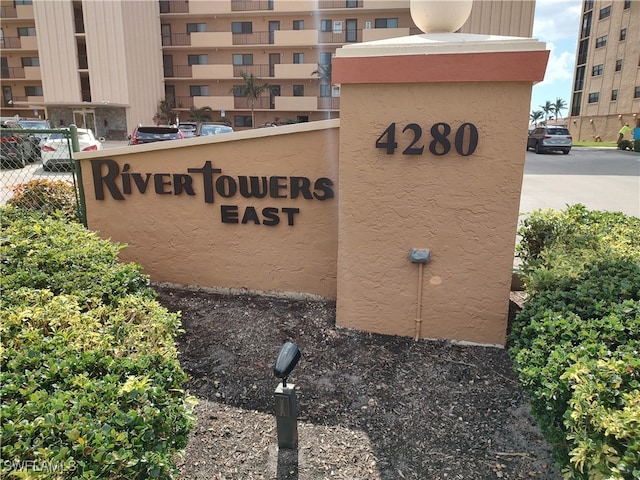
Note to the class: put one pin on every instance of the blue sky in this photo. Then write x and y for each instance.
(556, 23)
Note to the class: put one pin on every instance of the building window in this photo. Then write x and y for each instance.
(575, 104)
(326, 25)
(325, 90)
(588, 5)
(241, 27)
(627, 4)
(298, 24)
(583, 50)
(594, 97)
(198, 59)
(298, 58)
(26, 31)
(325, 58)
(30, 62)
(605, 12)
(601, 41)
(37, 91)
(618, 65)
(298, 90)
(586, 25)
(23, 2)
(614, 95)
(579, 84)
(242, 121)
(196, 27)
(636, 94)
(386, 23)
(597, 70)
(243, 59)
(352, 3)
(199, 90)
(623, 34)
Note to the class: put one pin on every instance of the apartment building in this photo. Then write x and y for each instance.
(106, 64)
(606, 84)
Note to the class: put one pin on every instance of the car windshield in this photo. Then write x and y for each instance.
(37, 124)
(215, 129)
(558, 131)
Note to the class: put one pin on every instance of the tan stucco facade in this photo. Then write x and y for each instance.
(181, 238)
(352, 200)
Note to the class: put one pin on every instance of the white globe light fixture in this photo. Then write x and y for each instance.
(440, 16)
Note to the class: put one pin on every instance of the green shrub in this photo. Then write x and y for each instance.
(91, 394)
(44, 252)
(46, 196)
(603, 419)
(581, 270)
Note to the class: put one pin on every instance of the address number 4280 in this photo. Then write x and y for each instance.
(442, 139)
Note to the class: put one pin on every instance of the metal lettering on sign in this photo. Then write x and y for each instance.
(465, 139)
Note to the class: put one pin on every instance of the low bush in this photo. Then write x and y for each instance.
(40, 251)
(93, 394)
(581, 271)
(48, 197)
(90, 383)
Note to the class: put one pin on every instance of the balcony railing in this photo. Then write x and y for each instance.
(261, 70)
(183, 102)
(12, 72)
(251, 5)
(323, 4)
(10, 42)
(178, 71)
(174, 6)
(255, 38)
(328, 103)
(176, 40)
(261, 103)
(8, 12)
(346, 36)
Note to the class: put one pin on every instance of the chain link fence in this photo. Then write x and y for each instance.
(37, 169)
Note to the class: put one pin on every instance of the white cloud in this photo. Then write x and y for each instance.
(556, 19)
(560, 66)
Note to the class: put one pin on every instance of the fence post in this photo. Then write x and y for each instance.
(77, 175)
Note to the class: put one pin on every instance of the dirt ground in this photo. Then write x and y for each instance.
(369, 406)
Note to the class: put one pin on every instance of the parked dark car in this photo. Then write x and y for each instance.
(550, 138)
(188, 129)
(212, 128)
(15, 151)
(154, 133)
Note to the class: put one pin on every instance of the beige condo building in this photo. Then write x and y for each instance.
(107, 64)
(606, 84)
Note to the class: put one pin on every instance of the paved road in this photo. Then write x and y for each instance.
(600, 179)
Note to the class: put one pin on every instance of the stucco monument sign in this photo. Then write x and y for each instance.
(428, 155)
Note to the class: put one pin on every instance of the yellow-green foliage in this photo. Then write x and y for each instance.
(90, 382)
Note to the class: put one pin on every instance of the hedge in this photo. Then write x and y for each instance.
(90, 383)
(576, 342)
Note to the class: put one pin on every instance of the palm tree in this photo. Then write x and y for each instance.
(536, 116)
(558, 106)
(251, 90)
(324, 73)
(547, 108)
(324, 77)
(202, 114)
(165, 114)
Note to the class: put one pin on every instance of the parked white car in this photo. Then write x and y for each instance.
(56, 149)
